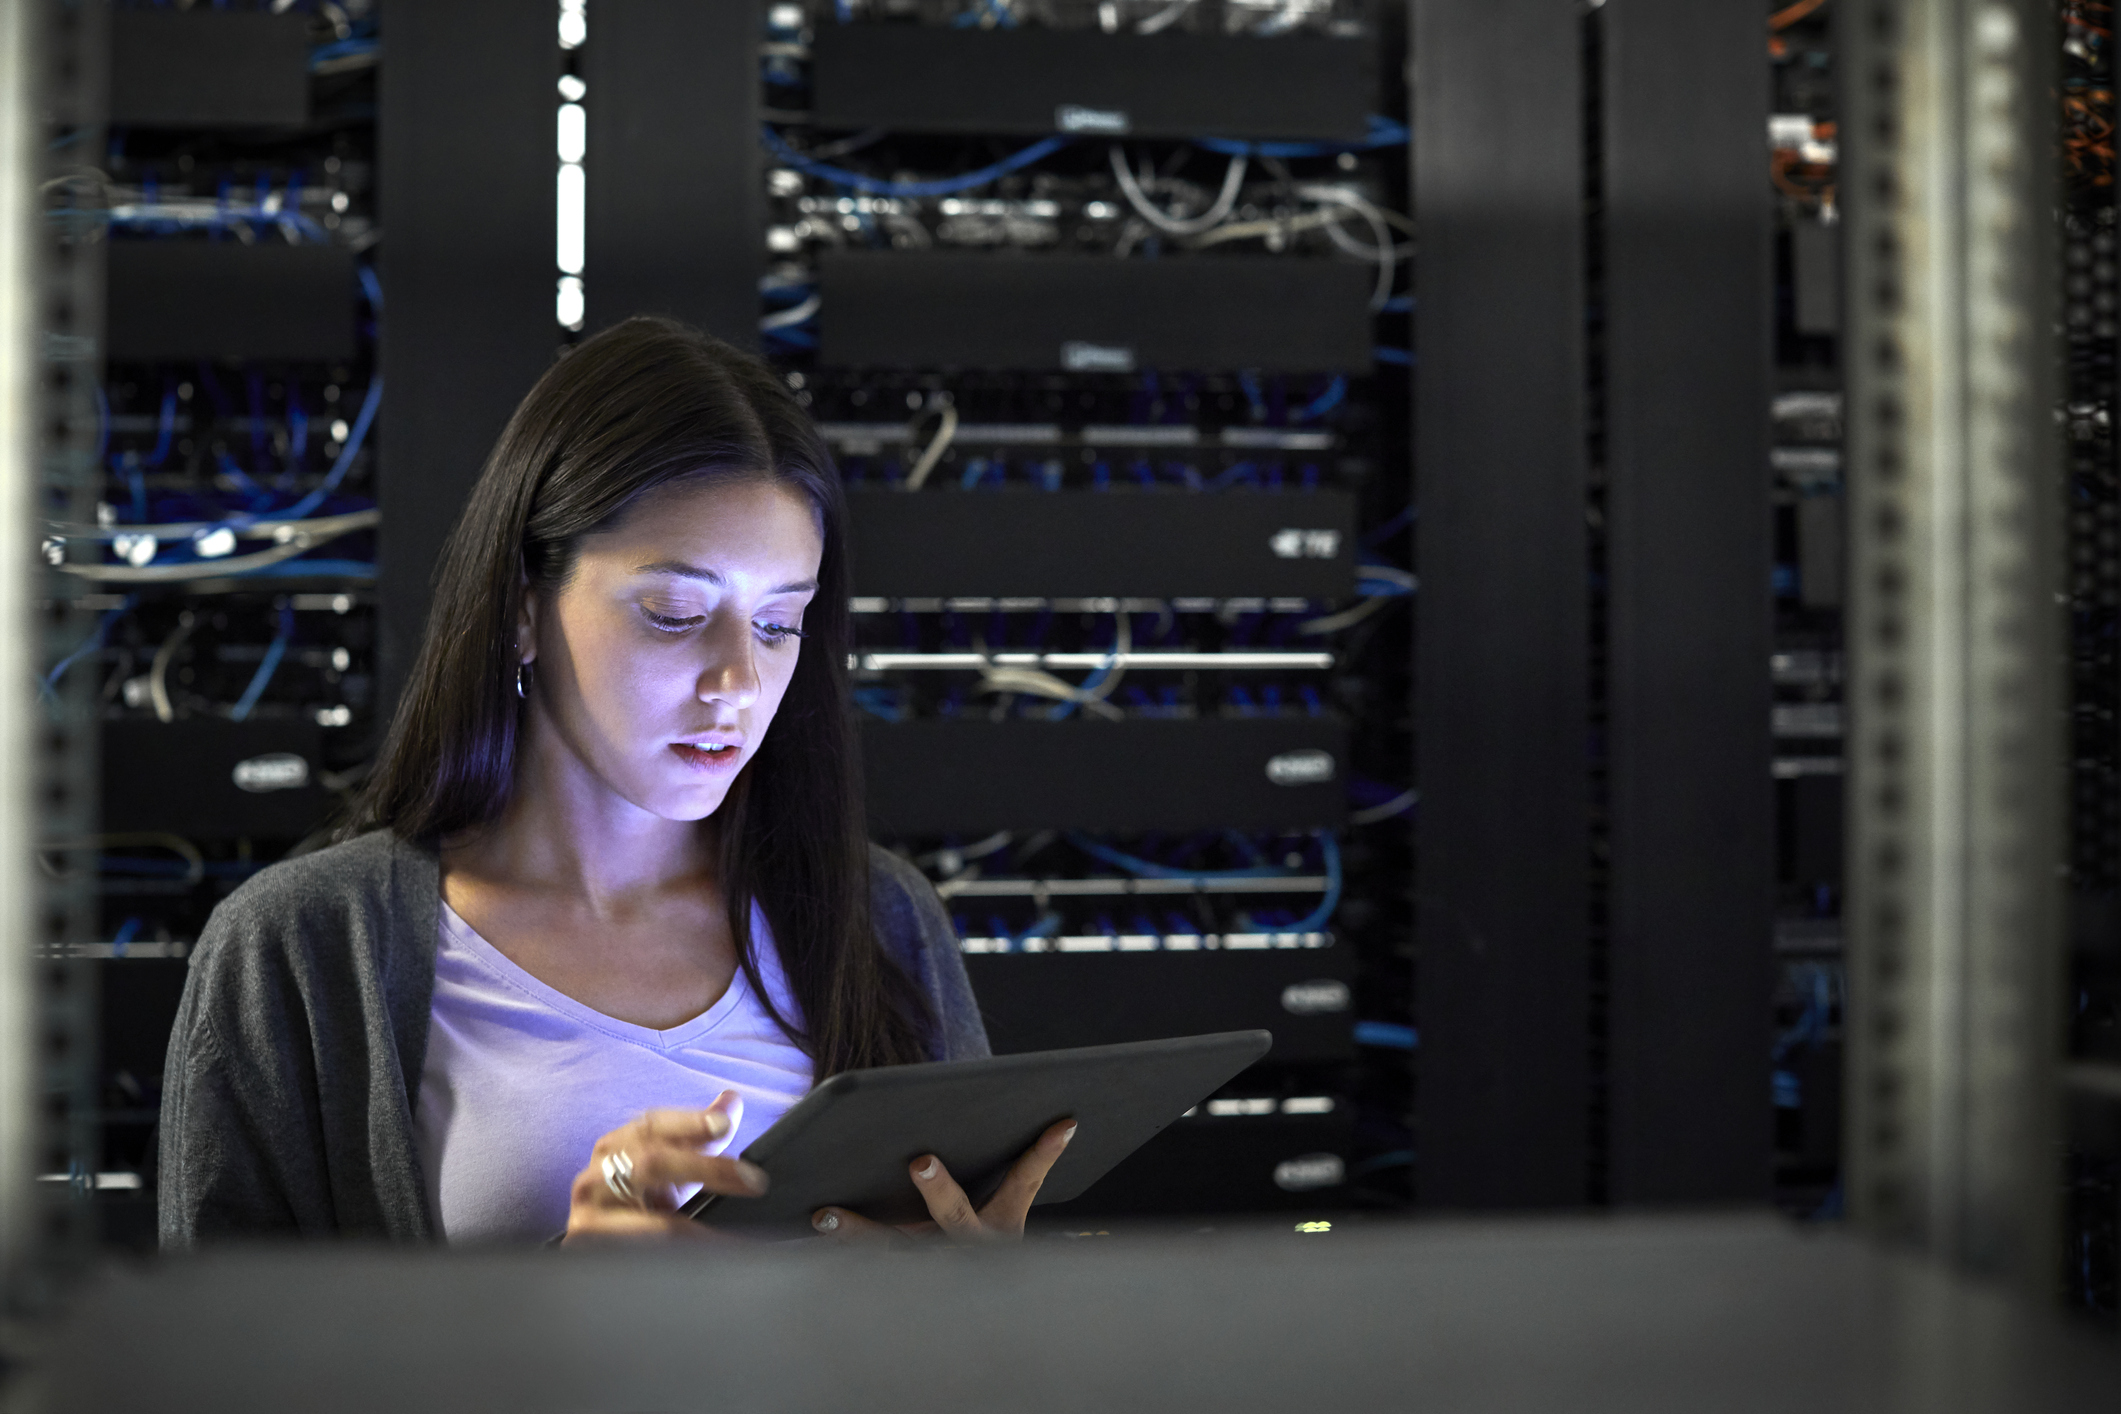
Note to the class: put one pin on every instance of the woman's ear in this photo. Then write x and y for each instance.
(527, 622)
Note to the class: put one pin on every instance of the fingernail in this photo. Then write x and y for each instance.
(754, 1177)
(717, 1123)
(1066, 1135)
(927, 1173)
(826, 1222)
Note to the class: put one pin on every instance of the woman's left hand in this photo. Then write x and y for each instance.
(952, 1213)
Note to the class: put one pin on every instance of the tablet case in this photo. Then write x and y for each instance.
(850, 1141)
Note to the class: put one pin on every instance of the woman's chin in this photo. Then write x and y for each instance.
(692, 800)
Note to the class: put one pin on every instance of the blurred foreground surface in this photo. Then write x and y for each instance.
(1641, 1315)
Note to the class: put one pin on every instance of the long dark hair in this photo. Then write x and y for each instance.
(641, 405)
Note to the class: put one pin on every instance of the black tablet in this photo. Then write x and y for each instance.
(849, 1142)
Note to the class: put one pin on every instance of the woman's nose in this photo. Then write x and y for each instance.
(731, 673)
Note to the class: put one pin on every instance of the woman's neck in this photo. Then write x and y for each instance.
(565, 831)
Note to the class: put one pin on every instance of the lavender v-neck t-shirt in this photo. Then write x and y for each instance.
(521, 1081)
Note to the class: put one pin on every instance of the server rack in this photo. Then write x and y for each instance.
(212, 561)
(1125, 503)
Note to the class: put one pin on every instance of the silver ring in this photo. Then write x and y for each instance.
(618, 1177)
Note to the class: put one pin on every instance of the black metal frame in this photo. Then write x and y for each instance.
(57, 1229)
(1691, 810)
(1502, 697)
(467, 137)
(1592, 702)
(675, 203)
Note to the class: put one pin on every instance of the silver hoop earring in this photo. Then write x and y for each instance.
(523, 680)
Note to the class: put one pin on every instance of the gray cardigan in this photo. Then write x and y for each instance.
(295, 1063)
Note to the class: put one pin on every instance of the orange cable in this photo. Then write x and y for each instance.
(1790, 14)
(1779, 173)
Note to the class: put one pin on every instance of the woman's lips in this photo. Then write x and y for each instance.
(712, 762)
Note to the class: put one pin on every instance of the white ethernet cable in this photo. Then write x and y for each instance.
(1385, 254)
(1035, 683)
(1130, 185)
(1163, 19)
(935, 449)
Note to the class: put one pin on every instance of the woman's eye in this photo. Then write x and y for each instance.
(669, 624)
(779, 633)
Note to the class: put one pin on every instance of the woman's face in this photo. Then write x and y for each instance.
(660, 664)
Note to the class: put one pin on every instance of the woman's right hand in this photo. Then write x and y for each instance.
(629, 1188)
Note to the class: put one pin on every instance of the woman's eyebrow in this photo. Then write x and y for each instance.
(685, 571)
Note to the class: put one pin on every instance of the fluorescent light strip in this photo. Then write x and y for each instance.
(1151, 942)
(1129, 888)
(1210, 662)
(148, 948)
(1271, 440)
(860, 436)
(110, 1180)
(570, 187)
(1031, 603)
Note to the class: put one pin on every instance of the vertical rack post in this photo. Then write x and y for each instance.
(1956, 758)
(54, 798)
(468, 136)
(1502, 692)
(1691, 805)
(675, 207)
(20, 127)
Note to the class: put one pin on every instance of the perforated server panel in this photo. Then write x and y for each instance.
(1066, 544)
(950, 774)
(1092, 314)
(922, 79)
(213, 780)
(208, 69)
(224, 299)
(1045, 1001)
(1210, 1163)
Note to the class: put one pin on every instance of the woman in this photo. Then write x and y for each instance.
(606, 908)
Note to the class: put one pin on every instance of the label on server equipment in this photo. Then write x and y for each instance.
(1297, 544)
(280, 770)
(1102, 122)
(1079, 356)
(1312, 998)
(1301, 1175)
(1300, 768)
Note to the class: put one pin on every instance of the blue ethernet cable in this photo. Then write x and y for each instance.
(1335, 392)
(94, 644)
(1147, 869)
(271, 664)
(945, 186)
(1318, 917)
(1383, 132)
(367, 415)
